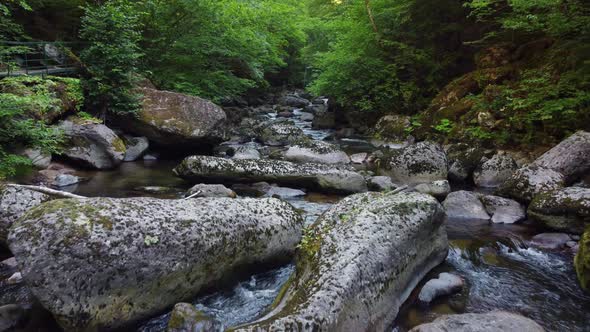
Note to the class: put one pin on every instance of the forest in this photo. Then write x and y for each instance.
(352, 165)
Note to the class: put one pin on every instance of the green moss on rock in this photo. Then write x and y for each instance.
(582, 261)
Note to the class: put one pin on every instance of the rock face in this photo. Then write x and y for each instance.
(571, 157)
(313, 176)
(92, 144)
(463, 204)
(176, 120)
(211, 190)
(136, 148)
(566, 210)
(495, 171)
(496, 321)
(358, 263)
(445, 284)
(422, 162)
(529, 181)
(503, 210)
(186, 318)
(118, 255)
(311, 151)
(582, 261)
(14, 203)
(281, 133)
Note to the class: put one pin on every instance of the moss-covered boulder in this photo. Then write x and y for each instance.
(393, 127)
(566, 210)
(495, 321)
(323, 177)
(176, 120)
(280, 134)
(91, 144)
(422, 162)
(358, 264)
(313, 151)
(571, 157)
(14, 203)
(529, 181)
(582, 261)
(100, 264)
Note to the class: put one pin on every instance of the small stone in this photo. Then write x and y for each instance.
(283, 192)
(64, 180)
(445, 284)
(150, 157)
(359, 158)
(211, 190)
(503, 210)
(16, 278)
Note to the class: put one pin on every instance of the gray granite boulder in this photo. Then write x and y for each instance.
(64, 180)
(91, 144)
(313, 176)
(422, 162)
(14, 203)
(503, 210)
(312, 151)
(280, 134)
(211, 190)
(136, 147)
(118, 255)
(439, 189)
(571, 157)
(529, 181)
(358, 264)
(465, 205)
(495, 321)
(566, 210)
(493, 172)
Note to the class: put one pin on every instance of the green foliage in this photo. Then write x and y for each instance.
(445, 126)
(86, 117)
(112, 33)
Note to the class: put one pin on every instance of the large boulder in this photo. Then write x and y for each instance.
(503, 210)
(566, 210)
(313, 176)
(176, 120)
(571, 157)
(14, 203)
(422, 162)
(496, 321)
(582, 261)
(101, 263)
(92, 144)
(493, 172)
(281, 133)
(312, 151)
(465, 205)
(463, 160)
(359, 263)
(529, 181)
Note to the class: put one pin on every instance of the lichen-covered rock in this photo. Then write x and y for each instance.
(465, 205)
(280, 133)
(445, 284)
(393, 127)
(503, 210)
(14, 203)
(313, 151)
(566, 209)
(571, 157)
(186, 318)
(529, 181)
(176, 120)
(422, 162)
(358, 264)
(125, 260)
(211, 190)
(245, 152)
(314, 176)
(582, 261)
(380, 183)
(495, 171)
(92, 144)
(136, 148)
(495, 321)
(64, 180)
(463, 160)
(439, 189)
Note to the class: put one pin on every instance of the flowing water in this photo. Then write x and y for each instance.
(500, 270)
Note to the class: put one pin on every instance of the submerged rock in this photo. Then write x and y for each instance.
(312, 151)
(445, 284)
(92, 144)
(495, 171)
(176, 120)
(461, 205)
(529, 181)
(566, 209)
(313, 176)
(129, 259)
(211, 190)
(14, 203)
(359, 158)
(284, 193)
(186, 318)
(503, 210)
(495, 321)
(422, 162)
(582, 261)
(550, 241)
(571, 157)
(358, 263)
(64, 180)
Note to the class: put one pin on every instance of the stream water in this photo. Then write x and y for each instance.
(500, 270)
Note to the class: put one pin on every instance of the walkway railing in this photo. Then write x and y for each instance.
(36, 58)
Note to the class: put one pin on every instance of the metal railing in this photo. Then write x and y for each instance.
(36, 58)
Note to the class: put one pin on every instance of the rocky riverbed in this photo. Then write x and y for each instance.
(260, 218)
